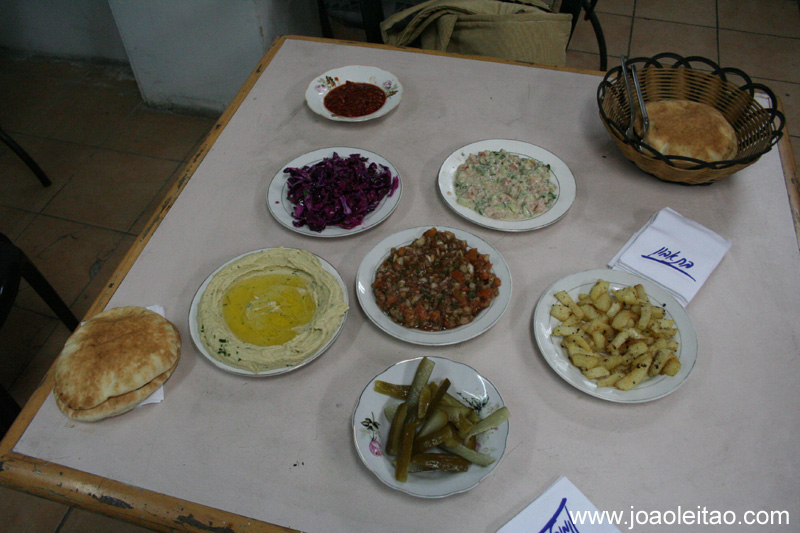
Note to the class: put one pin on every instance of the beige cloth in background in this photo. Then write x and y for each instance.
(529, 33)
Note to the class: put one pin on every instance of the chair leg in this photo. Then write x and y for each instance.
(371, 17)
(46, 291)
(324, 21)
(25, 157)
(598, 31)
(574, 7)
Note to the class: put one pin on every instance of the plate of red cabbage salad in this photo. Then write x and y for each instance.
(334, 192)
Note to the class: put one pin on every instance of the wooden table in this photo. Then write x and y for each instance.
(225, 453)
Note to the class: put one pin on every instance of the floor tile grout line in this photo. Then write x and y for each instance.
(64, 519)
(126, 232)
(92, 146)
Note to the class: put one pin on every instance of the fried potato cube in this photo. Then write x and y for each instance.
(599, 340)
(589, 312)
(673, 345)
(615, 308)
(637, 348)
(645, 313)
(603, 303)
(596, 372)
(672, 367)
(612, 378)
(613, 361)
(573, 343)
(622, 337)
(638, 372)
(669, 333)
(625, 319)
(659, 361)
(567, 300)
(626, 295)
(659, 344)
(641, 294)
(563, 331)
(599, 289)
(584, 360)
(560, 312)
(598, 323)
(571, 321)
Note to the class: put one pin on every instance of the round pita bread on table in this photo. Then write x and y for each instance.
(113, 361)
(690, 129)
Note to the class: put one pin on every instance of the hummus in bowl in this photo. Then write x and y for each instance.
(268, 312)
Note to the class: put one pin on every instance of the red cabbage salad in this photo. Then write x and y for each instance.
(338, 191)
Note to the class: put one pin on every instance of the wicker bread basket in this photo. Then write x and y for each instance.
(669, 76)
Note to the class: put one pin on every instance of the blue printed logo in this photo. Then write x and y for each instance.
(561, 522)
(671, 259)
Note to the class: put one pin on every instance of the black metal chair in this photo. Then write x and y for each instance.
(14, 267)
(17, 149)
(371, 14)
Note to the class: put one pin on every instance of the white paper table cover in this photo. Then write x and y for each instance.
(280, 450)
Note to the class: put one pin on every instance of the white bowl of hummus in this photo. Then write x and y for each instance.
(268, 312)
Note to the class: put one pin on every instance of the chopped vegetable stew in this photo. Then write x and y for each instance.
(435, 283)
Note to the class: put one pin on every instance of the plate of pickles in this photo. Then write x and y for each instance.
(430, 427)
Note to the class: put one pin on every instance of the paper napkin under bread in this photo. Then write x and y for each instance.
(674, 252)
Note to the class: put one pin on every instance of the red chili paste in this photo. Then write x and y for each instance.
(354, 99)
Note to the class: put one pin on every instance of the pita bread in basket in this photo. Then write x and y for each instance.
(113, 361)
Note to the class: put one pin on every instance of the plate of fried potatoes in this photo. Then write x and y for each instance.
(430, 427)
(615, 336)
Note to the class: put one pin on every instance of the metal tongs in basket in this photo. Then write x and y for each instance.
(631, 132)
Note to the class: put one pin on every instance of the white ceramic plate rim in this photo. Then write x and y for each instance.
(485, 320)
(581, 282)
(315, 94)
(562, 175)
(195, 334)
(281, 207)
(463, 379)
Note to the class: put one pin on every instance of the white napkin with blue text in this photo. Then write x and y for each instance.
(562, 507)
(674, 252)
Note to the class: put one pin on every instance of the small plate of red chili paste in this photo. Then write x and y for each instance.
(433, 286)
(354, 93)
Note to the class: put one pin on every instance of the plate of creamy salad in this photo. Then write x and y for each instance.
(507, 185)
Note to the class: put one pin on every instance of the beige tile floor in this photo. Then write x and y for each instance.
(111, 158)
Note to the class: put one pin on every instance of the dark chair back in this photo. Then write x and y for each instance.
(371, 15)
(14, 267)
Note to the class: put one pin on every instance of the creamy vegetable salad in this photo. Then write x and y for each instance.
(505, 186)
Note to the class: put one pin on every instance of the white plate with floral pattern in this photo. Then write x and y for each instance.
(556, 356)
(560, 172)
(371, 427)
(321, 85)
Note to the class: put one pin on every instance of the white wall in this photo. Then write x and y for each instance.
(74, 29)
(197, 53)
(185, 54)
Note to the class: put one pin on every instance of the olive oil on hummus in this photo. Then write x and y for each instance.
(269, 310)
